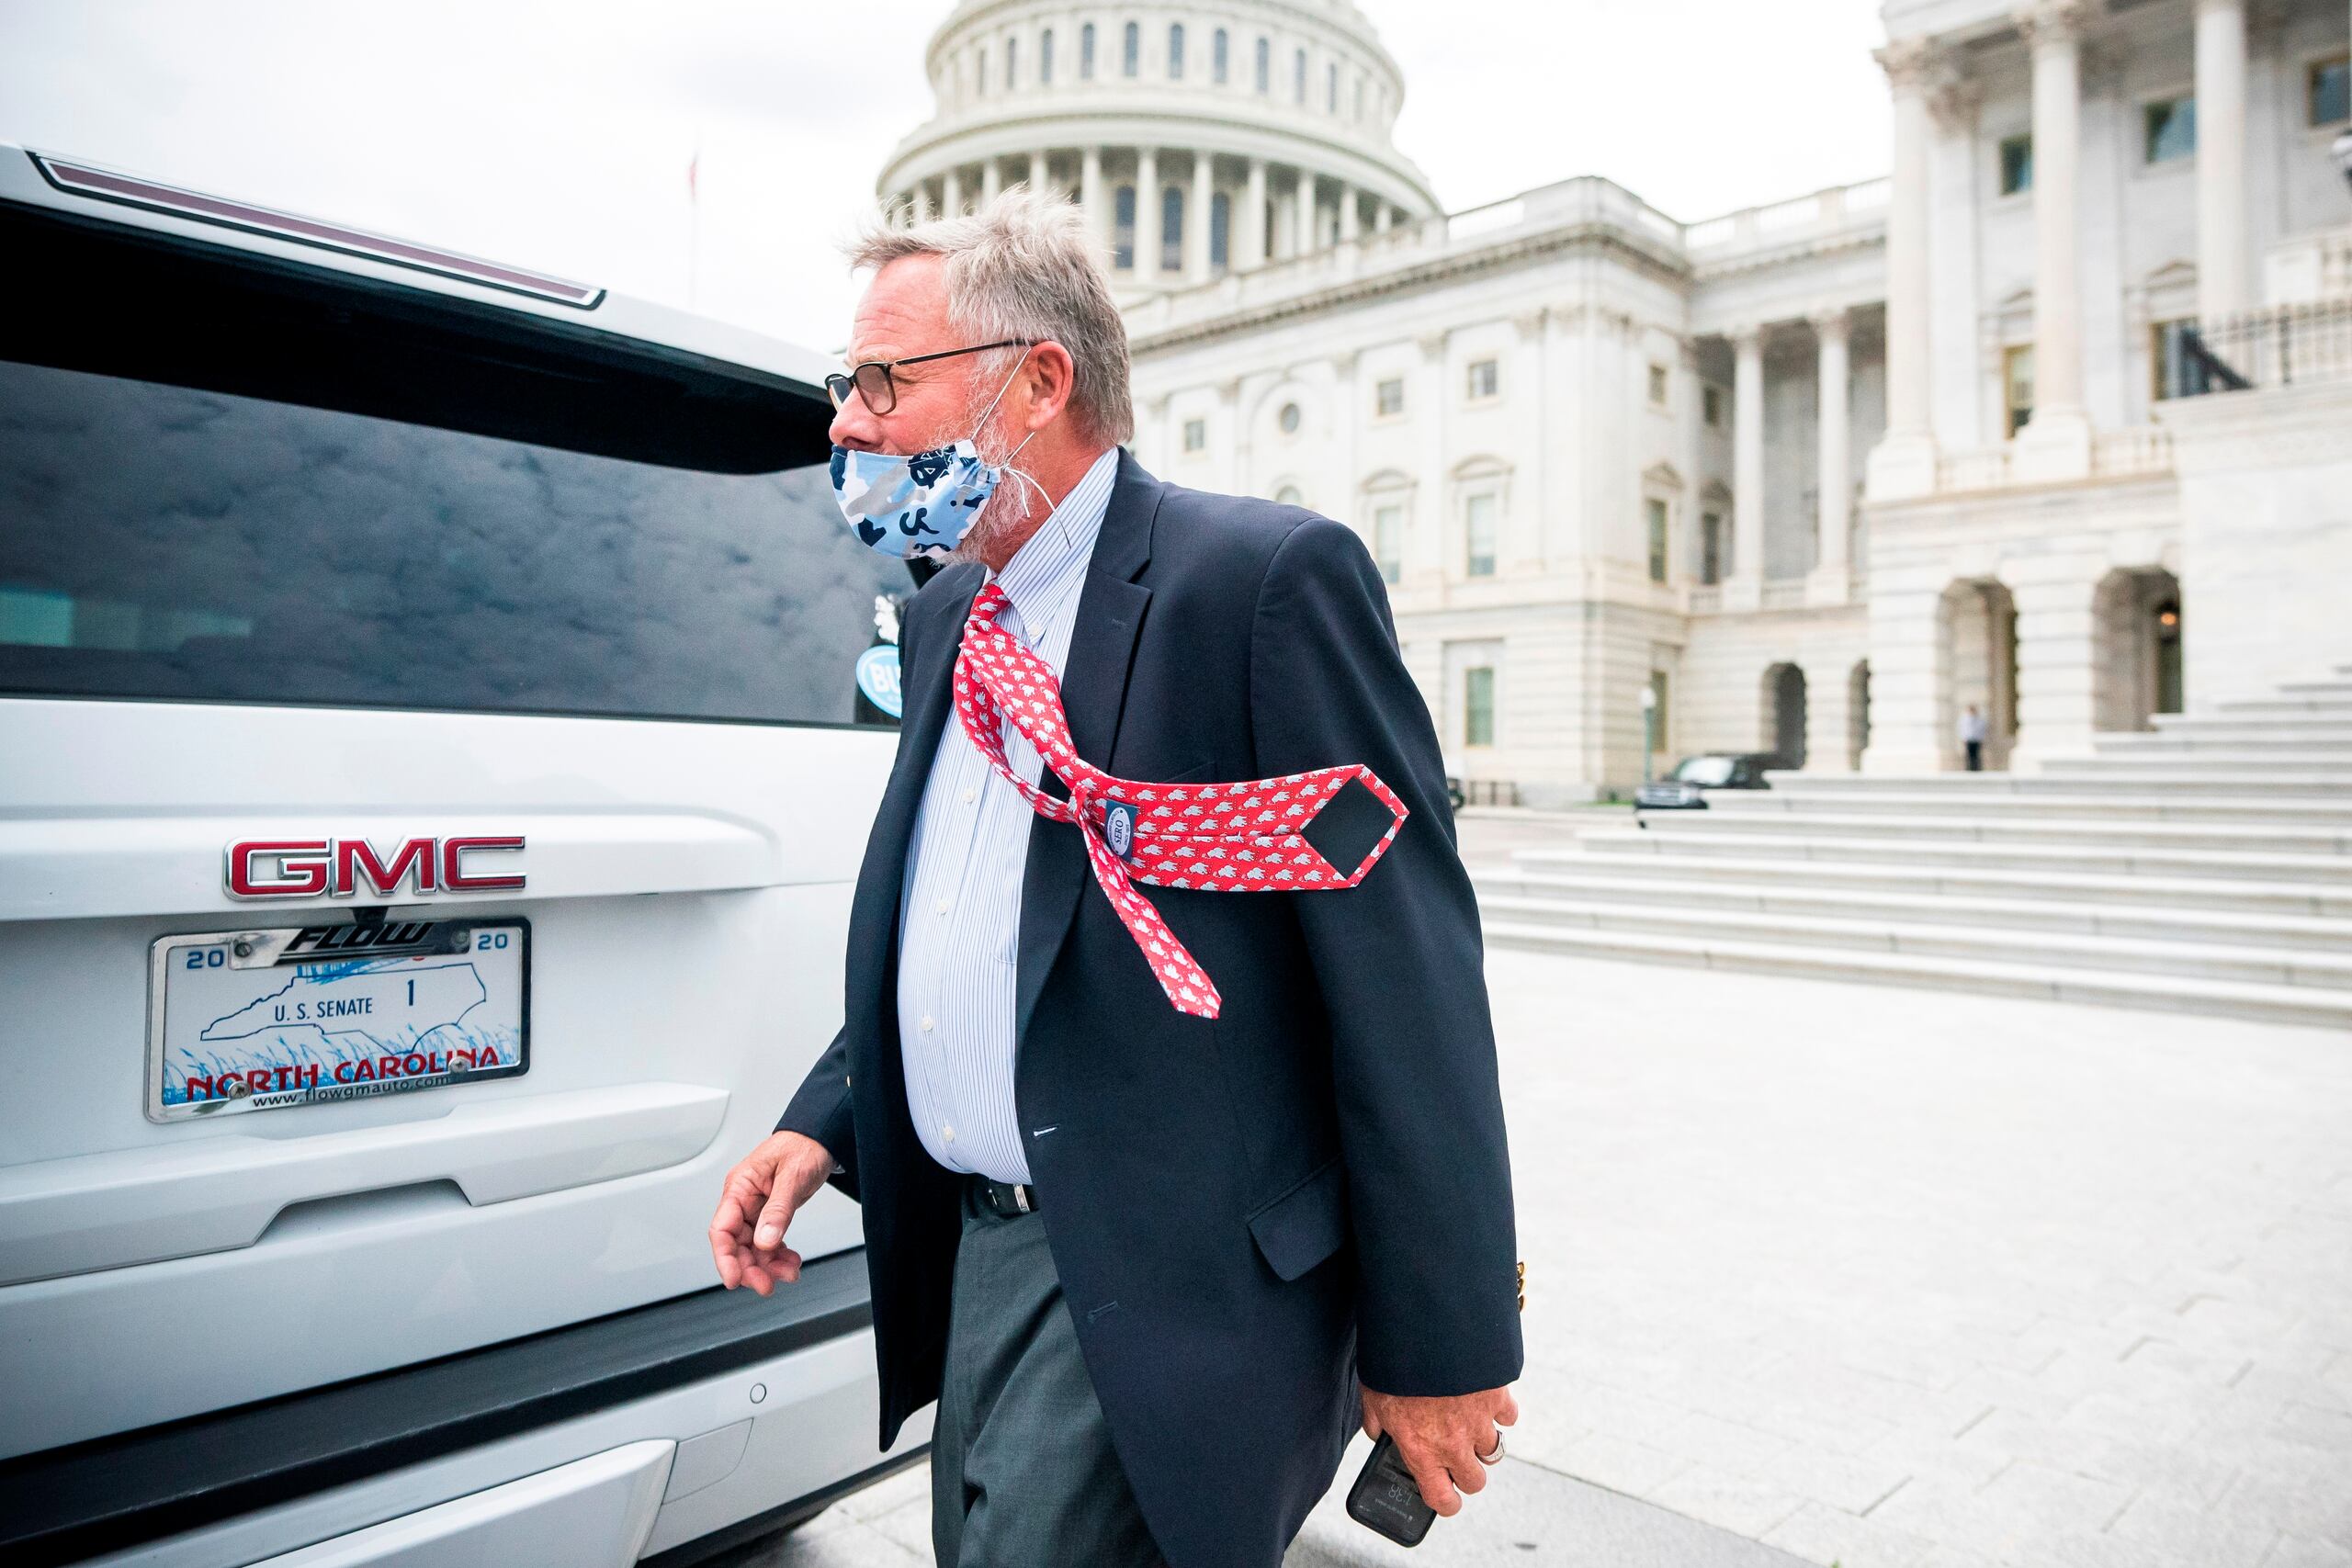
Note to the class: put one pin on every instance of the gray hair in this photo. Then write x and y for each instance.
(1026, 266)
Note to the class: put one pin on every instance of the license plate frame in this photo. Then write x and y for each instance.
(355, 965)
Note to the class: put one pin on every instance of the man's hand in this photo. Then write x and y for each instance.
(1440, 1437)
(756, 1206)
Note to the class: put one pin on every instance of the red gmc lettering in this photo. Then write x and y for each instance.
(345, 868)
(455, 878)
(302, 867)
(353, 856)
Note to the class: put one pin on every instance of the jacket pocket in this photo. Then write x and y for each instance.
(1306, 1224)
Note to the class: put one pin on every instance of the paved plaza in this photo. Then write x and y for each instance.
(1890, 1279)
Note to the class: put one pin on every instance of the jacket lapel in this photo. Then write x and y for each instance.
(1094, 689)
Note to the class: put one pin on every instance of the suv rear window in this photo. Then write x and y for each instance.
(257, 484)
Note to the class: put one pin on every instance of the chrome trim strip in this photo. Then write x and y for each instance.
(84, 179)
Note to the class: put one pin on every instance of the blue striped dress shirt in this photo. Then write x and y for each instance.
(959, 903)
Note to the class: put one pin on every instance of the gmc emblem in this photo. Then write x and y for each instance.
(304, 868)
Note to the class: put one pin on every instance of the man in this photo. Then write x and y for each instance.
(1155, 1241)
(1973, 730)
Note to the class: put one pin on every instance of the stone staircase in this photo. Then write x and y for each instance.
(2205, 866)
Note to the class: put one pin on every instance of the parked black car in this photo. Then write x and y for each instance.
(1686, 787)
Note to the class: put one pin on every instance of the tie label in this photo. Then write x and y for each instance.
(1119, 829)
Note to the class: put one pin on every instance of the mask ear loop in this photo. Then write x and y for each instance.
(1006, 467)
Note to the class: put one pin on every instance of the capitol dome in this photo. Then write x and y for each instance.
(1202, 139)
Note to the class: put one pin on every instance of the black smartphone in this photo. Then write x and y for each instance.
(1386, 1498)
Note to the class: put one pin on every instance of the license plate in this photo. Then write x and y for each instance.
(261, 1020)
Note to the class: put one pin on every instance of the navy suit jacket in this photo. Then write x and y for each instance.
(1246, 1213)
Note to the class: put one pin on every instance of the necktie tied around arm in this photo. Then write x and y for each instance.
(1211, 838)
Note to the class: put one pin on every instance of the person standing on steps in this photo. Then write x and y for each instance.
(1971, 738)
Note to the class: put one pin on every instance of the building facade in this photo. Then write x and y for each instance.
(1809, 479)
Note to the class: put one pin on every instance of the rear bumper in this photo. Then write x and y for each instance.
(646, 1430)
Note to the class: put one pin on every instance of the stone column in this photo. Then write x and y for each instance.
(1351, 221)
(1343, 501)
(992, 180)
(1384, 217)
(1524, 519)
(2057, 444)
(1286, 218)
(1744, 584)
(1904, 462)
(1425, 550)
(1227, 429)
(1147, 214)
(1090, 193)
(1250, 253)
(1038, 166)
(2224, 256)
(951, 194)
(922, 201)
(2055, 698)
(1197, 219)
(1835, 467)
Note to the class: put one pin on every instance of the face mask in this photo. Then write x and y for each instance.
(925, 504)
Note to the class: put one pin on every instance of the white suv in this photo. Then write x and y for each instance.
(439, 720)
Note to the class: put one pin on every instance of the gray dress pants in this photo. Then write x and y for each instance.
(1022, 1473)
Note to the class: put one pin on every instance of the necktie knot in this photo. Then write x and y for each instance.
(989, 604)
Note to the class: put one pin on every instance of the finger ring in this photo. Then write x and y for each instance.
(1489, 1459)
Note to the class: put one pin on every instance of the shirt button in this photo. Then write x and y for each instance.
(942, 906)
(970, 796)
(926, 1024)
(946, 1132)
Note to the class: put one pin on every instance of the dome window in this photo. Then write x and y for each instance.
(1176, 52)
(1086, 53)
(1131, 51)
(1288, 418)
(1219, 57)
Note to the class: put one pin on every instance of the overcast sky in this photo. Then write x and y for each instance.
(557, 135)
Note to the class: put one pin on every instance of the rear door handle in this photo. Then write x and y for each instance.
(216, 1194)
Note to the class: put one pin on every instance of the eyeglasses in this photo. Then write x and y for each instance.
(872, 380)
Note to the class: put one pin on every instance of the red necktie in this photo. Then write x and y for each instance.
(1215, 837)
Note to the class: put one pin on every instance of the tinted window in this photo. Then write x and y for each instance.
(228, 478)
(168, 542)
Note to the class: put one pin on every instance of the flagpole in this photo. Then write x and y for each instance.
(693, 227)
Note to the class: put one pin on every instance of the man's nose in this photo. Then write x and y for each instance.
(855, 426)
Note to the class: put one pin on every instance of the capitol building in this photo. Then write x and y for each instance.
(1808, 479)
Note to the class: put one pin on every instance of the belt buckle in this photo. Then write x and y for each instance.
(1021, 1197)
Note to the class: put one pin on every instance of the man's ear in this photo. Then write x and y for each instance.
(1053, 376)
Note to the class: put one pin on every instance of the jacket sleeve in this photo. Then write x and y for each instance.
(1400, 966)
(820, 1109)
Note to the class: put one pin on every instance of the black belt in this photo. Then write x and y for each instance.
(1008, 1199)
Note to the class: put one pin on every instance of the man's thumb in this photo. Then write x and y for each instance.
(769, 1233)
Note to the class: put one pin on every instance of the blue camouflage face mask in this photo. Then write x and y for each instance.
(924, 504)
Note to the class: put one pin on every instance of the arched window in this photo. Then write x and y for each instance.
(1171, 228)
(1086, 53)
(980, 79)
(1298, 76)
(1176, 52)
(1265, 65)
(1131, 55)
(1290, 495)
(1122, 226)
(1359, 91)
(1046, 66)
(1217, 58)
(1011, 64)
(1331, 87)
(1220, 230)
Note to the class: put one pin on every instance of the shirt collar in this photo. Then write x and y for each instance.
(1050, 562)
